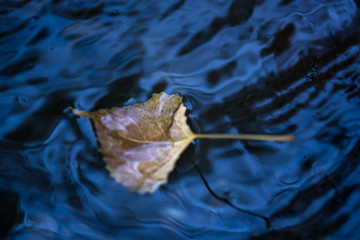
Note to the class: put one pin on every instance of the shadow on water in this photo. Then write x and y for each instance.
(264, 67)
(10, 215)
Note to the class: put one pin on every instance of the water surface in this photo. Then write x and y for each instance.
(265, 67)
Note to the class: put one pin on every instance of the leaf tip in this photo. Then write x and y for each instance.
(79, 112)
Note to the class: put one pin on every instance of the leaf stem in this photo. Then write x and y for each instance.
(277, 138)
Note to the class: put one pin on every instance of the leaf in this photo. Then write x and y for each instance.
(141, 143)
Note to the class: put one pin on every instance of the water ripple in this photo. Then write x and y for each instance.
(274, 67)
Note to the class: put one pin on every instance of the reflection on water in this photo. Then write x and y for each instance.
(269, 67)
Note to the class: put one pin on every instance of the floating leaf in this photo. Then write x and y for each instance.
(141, 143)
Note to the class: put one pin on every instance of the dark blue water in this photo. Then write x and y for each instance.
(246, 66)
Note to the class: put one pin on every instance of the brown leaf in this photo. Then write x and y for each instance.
(141, 143)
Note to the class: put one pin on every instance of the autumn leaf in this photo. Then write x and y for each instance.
(141, 143)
